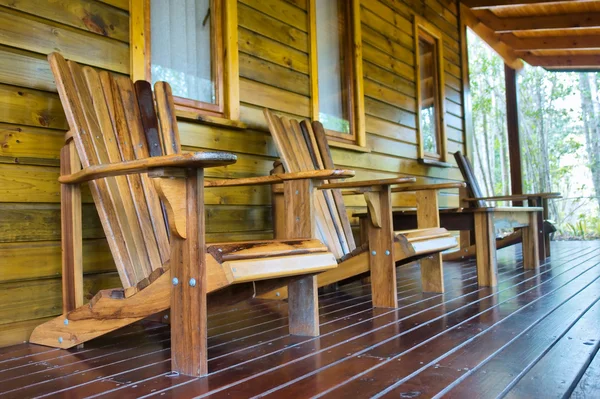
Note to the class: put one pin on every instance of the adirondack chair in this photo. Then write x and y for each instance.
(474, 198)
(476, 219)
(132, 159)
(302, 146)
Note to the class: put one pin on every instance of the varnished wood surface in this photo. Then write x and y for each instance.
(535, 330)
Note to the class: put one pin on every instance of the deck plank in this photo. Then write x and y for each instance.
(463, 342)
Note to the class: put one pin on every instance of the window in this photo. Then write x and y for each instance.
(336, 69)
(185, 43)
(430, 91)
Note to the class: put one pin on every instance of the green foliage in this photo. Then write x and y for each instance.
(559, 147)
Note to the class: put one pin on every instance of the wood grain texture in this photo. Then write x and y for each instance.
(432, 274)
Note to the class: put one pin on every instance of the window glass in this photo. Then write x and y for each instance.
(181, 49)
(333, 82)
(429, 95)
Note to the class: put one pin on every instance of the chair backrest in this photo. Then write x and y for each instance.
(473, 189)
(113, 120)
(302, 146)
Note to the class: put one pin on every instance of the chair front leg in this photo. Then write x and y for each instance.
(184, 200)
(381, 248)
(303, 306)
(428, 215)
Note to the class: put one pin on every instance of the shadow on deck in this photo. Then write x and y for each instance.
(537, 335)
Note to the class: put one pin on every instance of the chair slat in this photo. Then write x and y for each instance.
(168, 118)
(129, 105)
(134, 268)
(77, 122)
(143, 91)
(123, 196)
(469, 175)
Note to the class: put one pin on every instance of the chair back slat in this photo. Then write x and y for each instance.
(466, 169)
(143, 92)
(299, 151)
(105, 120)
(168, 118)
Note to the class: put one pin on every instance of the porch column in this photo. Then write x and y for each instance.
(512, 124)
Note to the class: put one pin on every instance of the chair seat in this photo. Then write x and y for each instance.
(428, 241)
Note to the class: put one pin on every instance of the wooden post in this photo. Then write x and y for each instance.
(485, 250)
(432, 275)
(185, 201)
(530, 236)
(381, 248)
(71, 233)
(278, 204)
(512, 124)
(303, 305)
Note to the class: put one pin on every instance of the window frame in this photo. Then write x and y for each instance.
(354, 103)
(425, 30)
(223, 47)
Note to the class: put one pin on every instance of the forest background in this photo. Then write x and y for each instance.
(559, 123)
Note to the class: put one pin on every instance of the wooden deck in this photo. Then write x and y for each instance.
(536, 336)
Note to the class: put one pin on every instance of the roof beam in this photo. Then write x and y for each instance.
(488, 36)
(550, 42)
(588, 61)
(486, 4)
(515, 24)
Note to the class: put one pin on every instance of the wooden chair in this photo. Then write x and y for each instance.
(477, 220)
(473, 197)
(302, 146)
(132, 159)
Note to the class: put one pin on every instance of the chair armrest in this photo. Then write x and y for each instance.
(423, 187)
(499, 198)
(367, 185)
(198, 160)
(281, 177)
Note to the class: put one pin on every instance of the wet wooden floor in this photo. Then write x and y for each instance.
(536, 336)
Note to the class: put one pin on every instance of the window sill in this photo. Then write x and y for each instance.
(434, 162)
(348, 146)
(195, 116)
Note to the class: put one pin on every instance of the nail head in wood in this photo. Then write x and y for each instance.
(175, 281)
(373, 253)
(192, 282)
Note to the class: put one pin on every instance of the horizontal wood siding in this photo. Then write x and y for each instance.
(274, 73)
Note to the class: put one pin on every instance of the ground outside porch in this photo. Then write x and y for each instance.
(536, 335)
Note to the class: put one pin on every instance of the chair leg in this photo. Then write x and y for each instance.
(531, 259)
(184, 199)
(303, 305)
(485, 250)
(381, 249)
(432, 274)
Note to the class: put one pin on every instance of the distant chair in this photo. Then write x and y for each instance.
(302, 146)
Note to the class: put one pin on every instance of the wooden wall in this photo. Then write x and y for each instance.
(273, 45)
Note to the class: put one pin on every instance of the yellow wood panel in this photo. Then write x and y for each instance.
(16, 333)
(24, 68)
(272, 51)
(44, 37)
(88, 15)
(282, 11)
(41, 222)
(384, 145)
(34, 260)
(391, 164)
(389, 31)
(122, 4)
(387, 95)
(274, 98)
(375, 39)
(391, 130)
(273, 74)
(258, 22)
(399, 21)
(389, 63)
(31, 107)
(389, 112)
(223, 219)
(252, 115)
(30, 145)
(27, 300)
(389, 79)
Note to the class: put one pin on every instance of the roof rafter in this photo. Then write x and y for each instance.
(542, 22)
(587, 61)
(486, 4)
(550, 42)
(491, 38)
